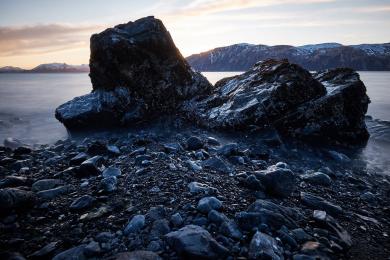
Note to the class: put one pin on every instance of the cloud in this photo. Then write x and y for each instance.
(373, 9)
(36, 39)
(202, 7)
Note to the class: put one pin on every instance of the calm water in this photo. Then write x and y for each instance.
(28, 101)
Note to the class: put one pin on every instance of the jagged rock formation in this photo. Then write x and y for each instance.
(275, 93)
(136, 72)
(241, 57)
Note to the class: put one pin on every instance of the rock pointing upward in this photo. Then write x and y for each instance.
(136, 72)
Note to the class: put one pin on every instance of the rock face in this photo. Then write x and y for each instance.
(136, 72)
(285, 96)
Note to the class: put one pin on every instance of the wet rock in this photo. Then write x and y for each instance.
(193, 165)
(135, 224)
(369, 197)
(45, 252)
(159, 228)
(217, 164)
(113, 149)
(136, 72)
(137, 255)
(194, 143)
(83, 202)
(196, 242)
(92, 249)
(172, 147)
(111, 172)
(53, 193)
(263, 246)
(337, 156)
(72, 253)
(216, 217)
(11, 256)
(91, 166)
(156, 213)
(177, 220)
(12, 198)
(14, 181)
(228, 150)
(104, 237)
(317, 178)
(196, 187)
(45, 184)
(79, 158)
(206, 204)
(277, 180)
(21, 150)
(253, 183)
(300, 235)
(316, 202)
(212, 141)
(108, 184)
(229, 228)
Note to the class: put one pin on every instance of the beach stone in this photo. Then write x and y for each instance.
(195, 242)
(263, 246)
(206, 204)
(135, 224)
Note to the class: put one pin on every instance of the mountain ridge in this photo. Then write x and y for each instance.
(48, 68)
(242, 56)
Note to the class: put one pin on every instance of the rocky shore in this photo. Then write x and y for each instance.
(194, 171)
(190, 193)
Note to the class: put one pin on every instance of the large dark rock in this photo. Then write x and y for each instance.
(275, 93)
(258, 97)
(338, 115)
(12, 198)
(136, 72)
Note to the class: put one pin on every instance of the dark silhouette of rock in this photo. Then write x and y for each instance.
(136, 72)
(275, 93)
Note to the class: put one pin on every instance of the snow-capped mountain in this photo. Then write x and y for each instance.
(240, 57)
(60, 67)
(48, 68)
(10, 69)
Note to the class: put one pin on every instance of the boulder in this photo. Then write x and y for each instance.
(316, 202)
(12, 198)
(136, 72)
(196, 243)
(328, 105)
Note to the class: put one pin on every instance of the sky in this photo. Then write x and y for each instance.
(33, 32)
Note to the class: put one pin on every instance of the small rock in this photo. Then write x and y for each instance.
(217, 164)
(45, 184)
(72, 253)
(208, 203)
(53, 193)
(79, 158)
(113, 149)
(84, 202)
(228, 150)
(263, 246)
(137, 255)
(277, 180)
(196, 187)
(194, 143)
(44, 252)
(193, 165)
(13, 181)
(108, 184)
(91, 166)
(177, 220)
(316, 202)
(135, 224)
(195, 242)
(230, 229)
(317, 178)
(12, 198)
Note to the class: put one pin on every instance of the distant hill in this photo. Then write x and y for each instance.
(240, 57)
(49, 68)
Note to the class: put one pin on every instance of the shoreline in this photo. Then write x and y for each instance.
(158, 168)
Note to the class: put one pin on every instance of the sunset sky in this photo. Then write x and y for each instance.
(43, 31)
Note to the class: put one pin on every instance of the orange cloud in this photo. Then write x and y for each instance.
(18, 40)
